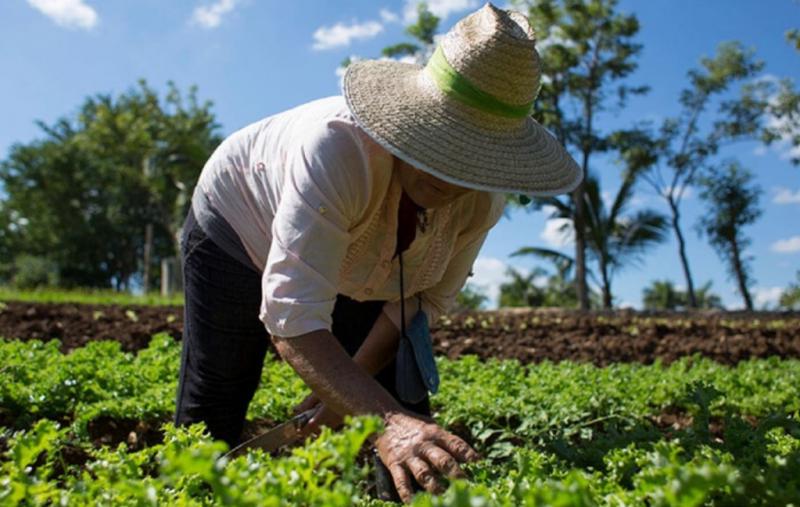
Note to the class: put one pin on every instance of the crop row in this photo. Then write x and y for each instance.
(690, 433)
(521, 320)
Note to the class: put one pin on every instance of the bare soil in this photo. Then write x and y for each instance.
(529, 336)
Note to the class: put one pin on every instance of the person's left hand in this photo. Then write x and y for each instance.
(323, 417)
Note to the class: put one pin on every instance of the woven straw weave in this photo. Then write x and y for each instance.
(402, 108)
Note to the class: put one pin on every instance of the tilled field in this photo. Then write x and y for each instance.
(527, 335)
(83, 423)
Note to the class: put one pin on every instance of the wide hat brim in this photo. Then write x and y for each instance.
(401, 108)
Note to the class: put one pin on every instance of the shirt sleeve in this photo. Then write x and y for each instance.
(325, 190)
(438, 299)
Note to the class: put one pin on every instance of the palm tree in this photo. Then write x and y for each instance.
(471, 297)
(707, 299)
(662, 295)
(616, 239)
(790, 298)
(521, 289)
(560, 289)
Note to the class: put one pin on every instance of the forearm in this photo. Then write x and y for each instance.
(380, 346)
(340, 383)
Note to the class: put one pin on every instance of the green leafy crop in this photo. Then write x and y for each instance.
(687, 434)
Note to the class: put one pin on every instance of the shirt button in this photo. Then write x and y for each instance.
(368, 291)
(260, 166)
(322, 210)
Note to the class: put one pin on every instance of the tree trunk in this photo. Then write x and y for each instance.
(580, 246)
(578, 194)
(692, 298)
(606, 286)
(148, 248)
(741, 277)
(175, 232)
(147, 172)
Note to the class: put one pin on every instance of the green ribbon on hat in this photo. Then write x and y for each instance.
(454, 85)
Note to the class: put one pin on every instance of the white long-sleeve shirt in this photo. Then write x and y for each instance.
(314, 201)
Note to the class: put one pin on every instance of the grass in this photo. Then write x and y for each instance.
(88, 296)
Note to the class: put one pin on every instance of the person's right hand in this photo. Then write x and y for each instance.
(324, 416)
(423, 449)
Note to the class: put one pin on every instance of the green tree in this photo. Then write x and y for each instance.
(783, 106)
(521, 290)
(793, 37)
(709, 117)
(662, 295)
(774, 105)
(423, 32)
(588, 52)
(618, 239)
(8, 242)
(103, 195)
(560, 293)
(470, 298)
(67, 209)
(615, 237)
(731, 204)
(559, 289)
(31, 272)
(790, 298)
(165, 143)
(707, 299)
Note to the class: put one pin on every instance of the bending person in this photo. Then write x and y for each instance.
(302, 224)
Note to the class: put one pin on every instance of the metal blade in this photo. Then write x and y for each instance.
(272, 440)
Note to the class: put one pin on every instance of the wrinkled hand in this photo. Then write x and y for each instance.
(423, 449)
(323, 417)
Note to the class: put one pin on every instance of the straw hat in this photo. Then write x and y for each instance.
(465, 116)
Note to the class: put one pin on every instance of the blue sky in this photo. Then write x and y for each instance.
(253, 58)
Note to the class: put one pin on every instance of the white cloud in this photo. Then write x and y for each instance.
(488, 274)
(67, 13)
(784, 146)
(210, 16)
(766, 296)
(785, 195)
(789, 245)
(440, 8)
(557, 232)
(388, 16)
(340, 34)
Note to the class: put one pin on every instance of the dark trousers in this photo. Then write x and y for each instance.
(224, 342)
